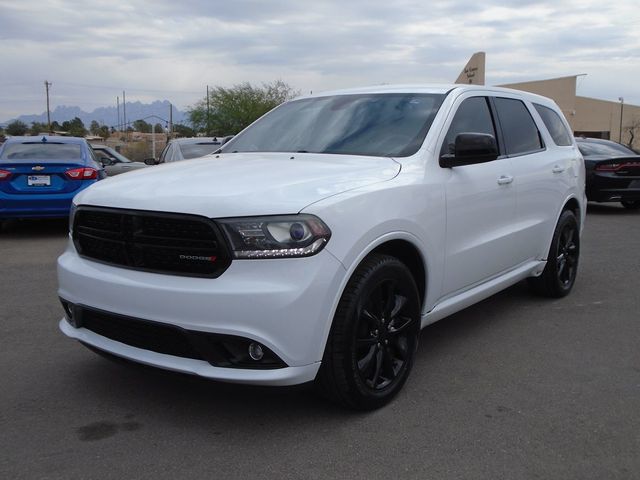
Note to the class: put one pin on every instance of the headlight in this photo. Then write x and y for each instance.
(276, 237)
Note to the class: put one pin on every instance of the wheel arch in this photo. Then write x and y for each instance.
(573, 205)
(410, 256)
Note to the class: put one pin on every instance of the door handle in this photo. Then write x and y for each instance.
(505, 179)
(558, 169)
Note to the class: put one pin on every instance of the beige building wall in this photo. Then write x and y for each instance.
(473, 71)
(561, 90)
(589, 116)
(594, 115)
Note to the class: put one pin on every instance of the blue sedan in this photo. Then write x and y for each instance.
(39, 176)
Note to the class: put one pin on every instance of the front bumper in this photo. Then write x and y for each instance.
(285, 304)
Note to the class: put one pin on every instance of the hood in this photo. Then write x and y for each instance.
(240, 184)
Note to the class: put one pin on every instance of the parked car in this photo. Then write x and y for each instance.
(114, 162)
(188, 148)
(325, 235)
(40, 175)
(613, 172)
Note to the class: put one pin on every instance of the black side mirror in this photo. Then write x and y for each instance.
(150, 161)
(106, 162)
(227, 138)
(471, 148)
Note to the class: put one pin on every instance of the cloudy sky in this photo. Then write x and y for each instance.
(92, 50)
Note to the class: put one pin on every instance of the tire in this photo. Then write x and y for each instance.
(559, 275)
(631, 204)
(374, 337)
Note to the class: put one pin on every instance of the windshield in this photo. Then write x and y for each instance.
(608, 149)
(42, 151)
(195, 150)
(385, 125)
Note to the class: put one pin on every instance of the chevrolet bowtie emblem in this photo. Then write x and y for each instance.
(37, 168)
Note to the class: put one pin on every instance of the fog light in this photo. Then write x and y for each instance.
(255, 351)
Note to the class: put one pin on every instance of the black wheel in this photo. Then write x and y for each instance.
(631, 204)
(559, 275)
(374, 336)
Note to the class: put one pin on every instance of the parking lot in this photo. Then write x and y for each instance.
(514, 387)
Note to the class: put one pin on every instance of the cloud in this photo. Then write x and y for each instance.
(93, 50)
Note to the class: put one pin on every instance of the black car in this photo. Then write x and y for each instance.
(613, 172)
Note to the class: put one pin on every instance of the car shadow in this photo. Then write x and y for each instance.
(609, 209)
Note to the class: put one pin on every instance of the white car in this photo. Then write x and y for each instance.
(325, 235)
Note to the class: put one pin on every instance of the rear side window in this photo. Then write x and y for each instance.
(554, 124)
(195, 150)
(42, 151)
(473, 116)
(520, 132)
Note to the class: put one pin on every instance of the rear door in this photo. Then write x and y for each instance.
(480, 203)
(543, 169)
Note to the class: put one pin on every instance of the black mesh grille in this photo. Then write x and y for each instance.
(151, 241)
(156, 337)
(219, 350)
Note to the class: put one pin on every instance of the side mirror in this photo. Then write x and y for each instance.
(227, 138)
(150, 161)
(106, 161)
(471, 148)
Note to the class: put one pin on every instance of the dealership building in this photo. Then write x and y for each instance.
(590, 117)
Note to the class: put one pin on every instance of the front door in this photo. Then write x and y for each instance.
(481, 206)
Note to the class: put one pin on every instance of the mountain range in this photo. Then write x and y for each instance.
(109, 115)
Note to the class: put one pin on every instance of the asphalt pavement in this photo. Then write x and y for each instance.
(516, 387)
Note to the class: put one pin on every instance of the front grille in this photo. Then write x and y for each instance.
(158, 242)
(156, 337)
(219, 350)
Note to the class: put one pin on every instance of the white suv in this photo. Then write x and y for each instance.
(321, 239)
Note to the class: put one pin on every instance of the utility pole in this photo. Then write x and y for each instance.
(118, 107)
(153, 139)
(46, 86)
(170, 120)
(208, 113)
(124, 114)
(621, 110)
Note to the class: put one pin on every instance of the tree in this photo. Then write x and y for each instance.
(55, 126)
(141, 126)
(17, 128)
(94, 128)
(75, 127)
(104, 132)
(232, 109)
(157, 128)
(37, 128)
(183, 131)
(632, 130)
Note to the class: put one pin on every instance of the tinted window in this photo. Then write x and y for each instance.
(473, 116)
(555, 125)
(609, 149)
(388, 124)
(520, 132)
(42, 151)
(194, 150)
